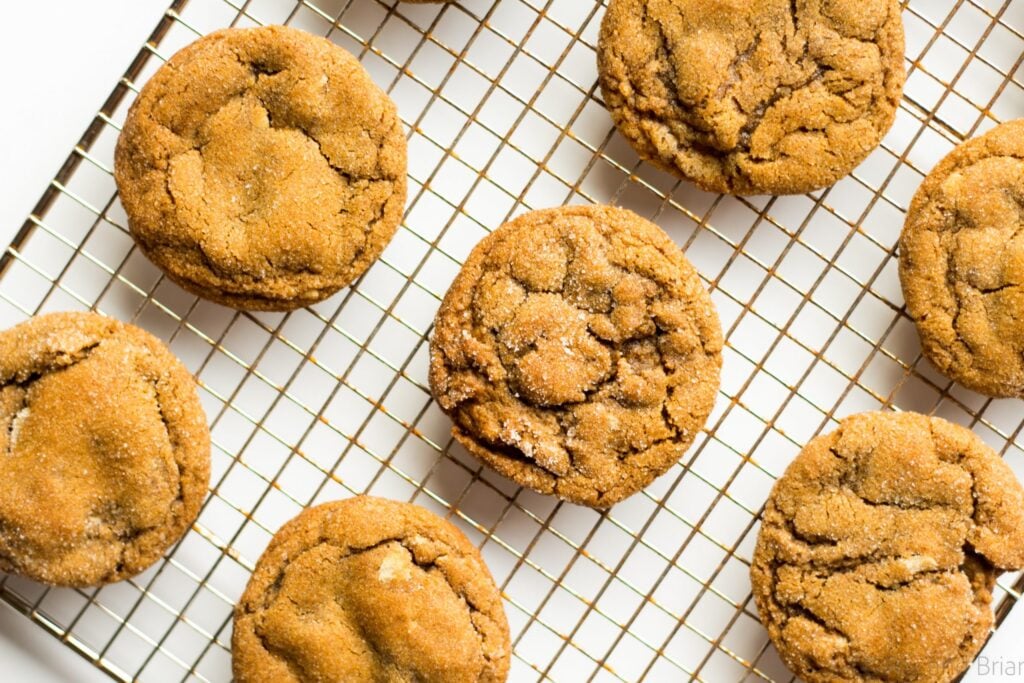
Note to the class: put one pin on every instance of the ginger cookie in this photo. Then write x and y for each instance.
(577, 353)
(106, 449)
(880, 547)
(753, 96)
(369, 589)
(262, 168)
(962, 263)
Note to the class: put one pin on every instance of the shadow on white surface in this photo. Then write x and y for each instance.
(29, 654)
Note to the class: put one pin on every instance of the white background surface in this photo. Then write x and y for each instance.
(63, 57)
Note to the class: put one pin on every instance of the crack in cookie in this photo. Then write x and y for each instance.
(370, 589)
(771, 96)
(962, 263)
(577, 352)
(879, 549)
(262, 168)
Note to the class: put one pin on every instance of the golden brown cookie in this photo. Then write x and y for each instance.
(962, 263)
(753, 96)
(369, 589)
(577, 352)
(106, 451)
(880, 547)
(262, 168)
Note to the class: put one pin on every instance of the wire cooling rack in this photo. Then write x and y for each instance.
(503, 114)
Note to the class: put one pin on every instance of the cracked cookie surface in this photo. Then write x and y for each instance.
(106, 449)
(577, 353)
(753, 96)
(369, 589)
(879, 549)
(962, 263)
(262, 168)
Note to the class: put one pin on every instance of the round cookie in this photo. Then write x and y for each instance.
(369, 589)
(962, 263)
(106, 449)
(577, 353)
(262, 168)
(879, 549)
(753, 96)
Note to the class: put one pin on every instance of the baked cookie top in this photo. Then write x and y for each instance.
(962, 263)
(753, 96)
(577, 352)
(106, 449)
(879, 549)
(262, 168)
(370, 590)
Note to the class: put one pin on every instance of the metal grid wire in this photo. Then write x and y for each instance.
(503, 115)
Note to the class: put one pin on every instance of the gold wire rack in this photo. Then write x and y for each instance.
(503, 115)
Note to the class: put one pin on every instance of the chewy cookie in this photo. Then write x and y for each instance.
(753, 96)
(262, 168)
(880, 547)
(370, 590)
(962, 263)
(577, 353)
(106, 449)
